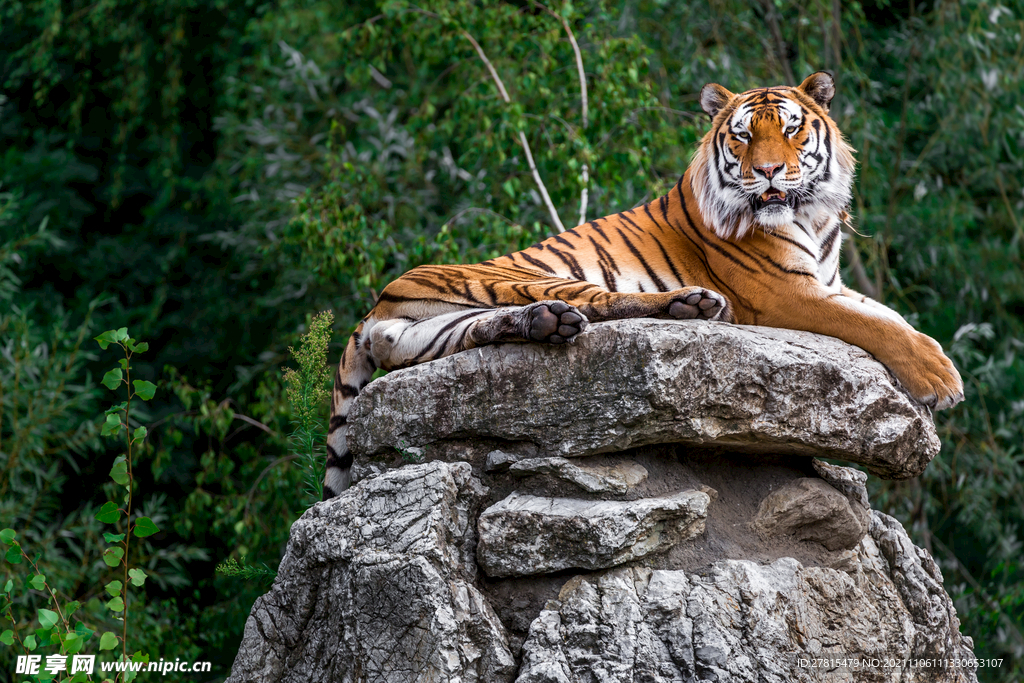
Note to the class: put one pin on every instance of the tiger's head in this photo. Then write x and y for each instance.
(772, 156)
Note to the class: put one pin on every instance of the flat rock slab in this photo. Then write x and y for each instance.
(592, 479)
(638, 382)
(524, 535)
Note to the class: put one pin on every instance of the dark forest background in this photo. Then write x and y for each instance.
(211, 173)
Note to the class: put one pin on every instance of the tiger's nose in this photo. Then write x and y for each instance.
(768, 170)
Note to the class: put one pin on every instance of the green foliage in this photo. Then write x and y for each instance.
(209, 187)
(234, 568)
(308, 391)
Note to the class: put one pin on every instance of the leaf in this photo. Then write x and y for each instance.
(8, 586)
(30, 642)
(112, 556)
(112, 380)
(121, 334)
(136, 576)
(83, 630)
(14, 554)
(109, 512)
(73, 643)
(38, 581)
(108, 641)
(113, 588)
(48, 618)
(144, 526)
(140, 433)
(119, 472)
(7, 536)
(106, 339)
(113, 538)
(141, 347)
(70, 608)
(116, 605)
(111, 425)
(144, 389)
(7, 637)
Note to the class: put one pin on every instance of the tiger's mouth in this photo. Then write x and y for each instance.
(773, 197)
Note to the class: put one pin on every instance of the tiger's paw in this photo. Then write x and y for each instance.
(931, 377)
(697, 302)
(554, 322)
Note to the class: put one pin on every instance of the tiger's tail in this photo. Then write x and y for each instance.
(354, 372)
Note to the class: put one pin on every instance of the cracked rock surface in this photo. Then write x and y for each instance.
(632, 383)
(752, 623)
(375, 586)
(645, 506)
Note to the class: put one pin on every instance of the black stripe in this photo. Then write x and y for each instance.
(562, 240)
(711, 244)
(539, 264)
(607, 273)
(348, 391)
(334, 460)
(600, 232)
(794, 243)
(633, 226)
(458, 321)
(397, 298)
(572, 263)
(337, 421)
(829, 242)
(782, 268)
(834, 276)
(672, 267)
(639, 257)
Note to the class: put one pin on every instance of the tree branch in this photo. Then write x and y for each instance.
(771, 15)
(522, 136)
(584, 193)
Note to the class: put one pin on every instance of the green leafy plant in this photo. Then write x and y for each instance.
(308, 390)
(118, 421)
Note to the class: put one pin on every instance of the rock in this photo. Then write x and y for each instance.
(753, 623)
(851, 483)
(499, 461)
(524, 534)
(617, 479)
(603, 557)
(375, 586)
(637, 382)
(811, 510)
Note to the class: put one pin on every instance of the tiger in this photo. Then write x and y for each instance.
(750, 234)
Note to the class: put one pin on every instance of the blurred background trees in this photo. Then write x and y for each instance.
(211, 174)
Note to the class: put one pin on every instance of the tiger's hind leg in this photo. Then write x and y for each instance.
(400, 342)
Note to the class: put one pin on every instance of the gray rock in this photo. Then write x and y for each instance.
(810, 510)
(375, 587)
(524, 534)
(753, 623)
(637, 382)
(499, 461)
(593, 479)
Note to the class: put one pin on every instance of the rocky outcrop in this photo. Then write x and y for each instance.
(640, 382)
(376, 585)
(638, 507)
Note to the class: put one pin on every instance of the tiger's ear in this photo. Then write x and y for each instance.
(713, 98)
(820, 87)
